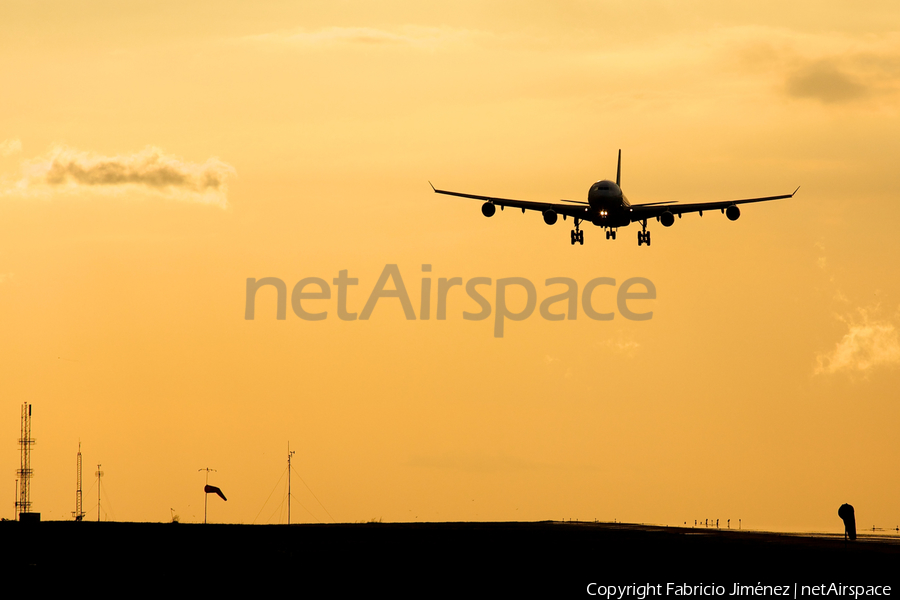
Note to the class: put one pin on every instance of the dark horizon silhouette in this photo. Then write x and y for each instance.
(555, 558)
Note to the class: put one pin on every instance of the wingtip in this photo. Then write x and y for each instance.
(795, 191)
(432, 186)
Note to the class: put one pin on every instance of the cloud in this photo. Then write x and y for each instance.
(838, 69)
(69, 169)
(832, 68)
(823, 80)
(11, 146)
(625, 347)
(867, 345)
(330, 36)
(829, 67)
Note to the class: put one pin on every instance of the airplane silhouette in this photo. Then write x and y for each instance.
(608, 207)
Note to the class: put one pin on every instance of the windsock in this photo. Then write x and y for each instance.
(211, 489)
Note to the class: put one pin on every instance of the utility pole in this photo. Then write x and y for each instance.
(205, 493)
(99, 474)
(290, 453)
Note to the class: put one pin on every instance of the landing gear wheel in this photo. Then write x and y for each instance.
(581, 238)
(643, 237)
(577, 236)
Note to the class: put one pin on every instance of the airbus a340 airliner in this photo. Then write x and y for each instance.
(608, 207)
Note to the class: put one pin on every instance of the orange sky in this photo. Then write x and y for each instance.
(153, 156)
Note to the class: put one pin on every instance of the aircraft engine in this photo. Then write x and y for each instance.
(732, 212)
(488, 209)
(550, 216)
(667, 219)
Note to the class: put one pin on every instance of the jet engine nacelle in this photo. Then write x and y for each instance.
(733, 213)
(488, 209)
(550, 216)
(667, 219)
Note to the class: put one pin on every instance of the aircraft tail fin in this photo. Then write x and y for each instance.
(619, 170)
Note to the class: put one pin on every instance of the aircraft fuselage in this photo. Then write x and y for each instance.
(609, 206)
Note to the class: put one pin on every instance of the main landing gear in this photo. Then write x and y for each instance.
(644, 236)
(577, 234)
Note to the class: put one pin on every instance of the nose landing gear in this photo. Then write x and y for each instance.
(610, 234)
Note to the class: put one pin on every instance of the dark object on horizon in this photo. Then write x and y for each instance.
(29, 517)
(211, 489)
(846, 513)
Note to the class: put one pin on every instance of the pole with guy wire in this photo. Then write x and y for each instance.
(205, 494)
(290, 468)
(290, 453)
(99, 474)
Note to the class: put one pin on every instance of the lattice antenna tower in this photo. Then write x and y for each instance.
(79, 512)
(25, 472)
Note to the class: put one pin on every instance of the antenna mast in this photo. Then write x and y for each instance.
(99, 474)
(290, 453)
(25, 473)
(79, 513)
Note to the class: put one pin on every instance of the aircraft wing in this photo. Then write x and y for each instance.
(640, 212)
(572, 209)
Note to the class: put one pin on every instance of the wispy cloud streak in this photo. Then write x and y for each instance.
(69, 169)
(329, 36)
